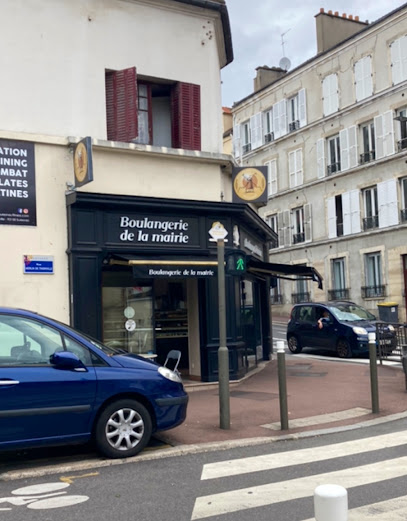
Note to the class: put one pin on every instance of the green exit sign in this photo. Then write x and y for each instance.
(235, 262)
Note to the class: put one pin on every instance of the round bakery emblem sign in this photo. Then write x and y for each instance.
(249, 184)
(80, 162)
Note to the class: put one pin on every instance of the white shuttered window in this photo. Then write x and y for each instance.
(272, 176)
(256, 130)
(398, 51)
(387, 199)
(363, 78)
(384, 134)
(351, 212)
(295, 168)
(330, 94)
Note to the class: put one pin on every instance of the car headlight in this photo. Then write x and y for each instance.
(170, 375)
(359, 330)
(390, 328)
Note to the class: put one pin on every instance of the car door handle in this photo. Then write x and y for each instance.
(9, 382)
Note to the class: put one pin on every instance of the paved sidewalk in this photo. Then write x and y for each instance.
(321, 394)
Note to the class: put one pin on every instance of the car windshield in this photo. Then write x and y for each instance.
(348, 312)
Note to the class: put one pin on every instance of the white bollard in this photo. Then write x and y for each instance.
(331, 503)
(280, 346)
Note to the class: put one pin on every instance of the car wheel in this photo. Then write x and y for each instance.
(123, 429)
(343, 348)
(294, 344)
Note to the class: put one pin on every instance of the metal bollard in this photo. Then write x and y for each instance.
(373, 373)
(282, 385)
(331, 503)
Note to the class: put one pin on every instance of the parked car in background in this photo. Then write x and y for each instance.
(58, 386)
(345, 328)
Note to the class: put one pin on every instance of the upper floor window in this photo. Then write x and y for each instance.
(158, 113)
(295, 168)
(295, 226)
(368, 146)
(272, 221)
(371, 207)
(384, 134)
(330, 94)
(363, 78)
(343, 214)
(334, 154)
(246, 137)
(272, 177)
(402, 129)
(339, 290)
(296, 111)
(268, 128)
(373, 276)
(398, 51)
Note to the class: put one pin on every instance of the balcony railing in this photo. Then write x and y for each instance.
(300, 297)
(276, 299)
(298, 237)
(338, 294)
(294, 125)
(269, 137)
(369, 223)
(373, 291)
(333, 168)
(403, 215)
(402, 144)
(246, 148)
(339, 229)
(274, 243)
(366, 157)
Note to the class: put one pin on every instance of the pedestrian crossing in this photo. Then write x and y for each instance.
(299, 488)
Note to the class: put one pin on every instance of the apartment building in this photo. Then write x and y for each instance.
(333, 134)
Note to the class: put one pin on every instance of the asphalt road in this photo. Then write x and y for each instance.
(271, 481)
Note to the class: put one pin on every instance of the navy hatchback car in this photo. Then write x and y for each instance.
(58, 386)
(344, 328)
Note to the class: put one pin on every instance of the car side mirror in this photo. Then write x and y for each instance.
(66, 360)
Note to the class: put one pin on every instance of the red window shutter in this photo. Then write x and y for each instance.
(121, 105)
(186, 116)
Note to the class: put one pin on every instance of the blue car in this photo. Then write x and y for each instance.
(58, 386)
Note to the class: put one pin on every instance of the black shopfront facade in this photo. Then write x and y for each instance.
(143, 278)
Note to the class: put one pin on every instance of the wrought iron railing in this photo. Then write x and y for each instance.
(298, 237)
(373, 291)
(276, 299)
(402, 144)
(366, 157)
(246, 148)
(403, 215)
(369, 223)
(300, 297)
(338, 294)
(333, 168)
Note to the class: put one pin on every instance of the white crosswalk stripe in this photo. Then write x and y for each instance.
(263, 495)
(279, 460)
(300, 488)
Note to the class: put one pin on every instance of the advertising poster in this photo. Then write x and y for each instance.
(17, 183)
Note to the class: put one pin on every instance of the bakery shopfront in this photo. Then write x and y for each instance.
(143, 278)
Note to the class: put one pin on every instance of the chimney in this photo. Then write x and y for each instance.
(333, 29)
(266, 76)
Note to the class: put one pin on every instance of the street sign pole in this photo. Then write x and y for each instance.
(223, 352)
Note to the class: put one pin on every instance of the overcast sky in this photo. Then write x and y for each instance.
(257, 26)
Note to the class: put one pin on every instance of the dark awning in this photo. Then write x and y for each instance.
(284, 271)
